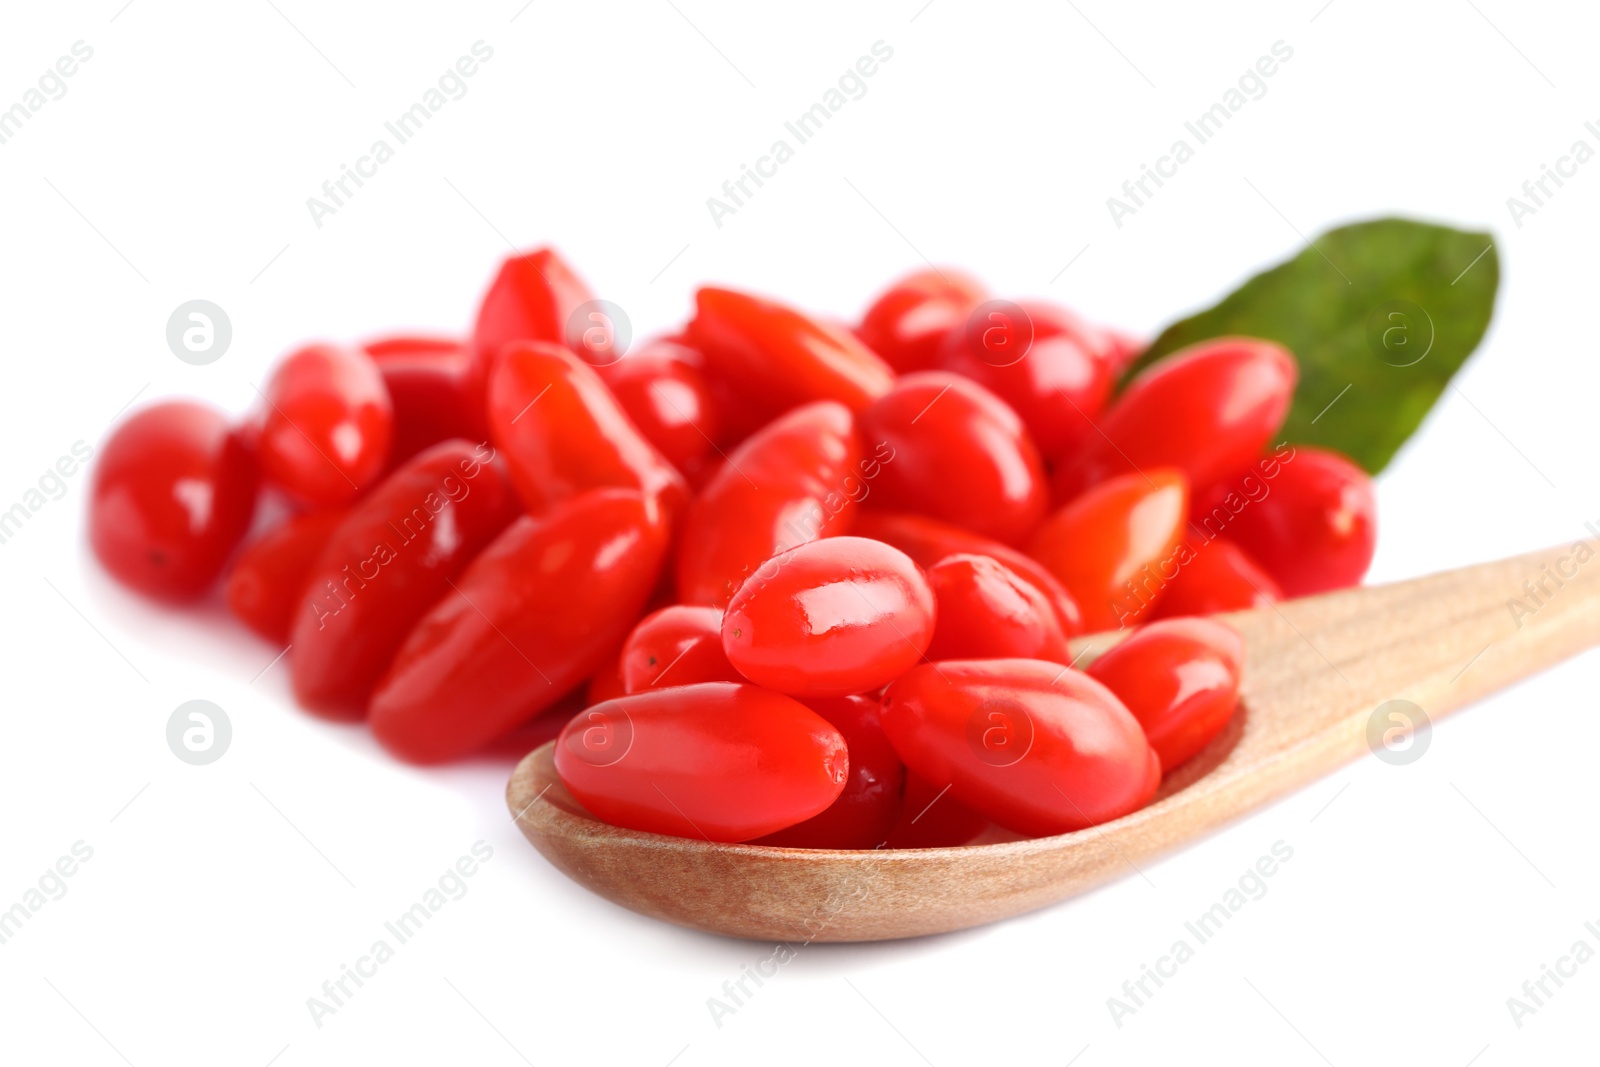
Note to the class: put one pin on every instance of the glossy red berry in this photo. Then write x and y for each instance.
(987, 611)
(562, 432)
(1037, 747)
(676, 645)
(797, 480)
(1216, 576)
(778, 358)
(427, 382)
(668, 401)
(1317, 528)
(172, 495)
(267, 583)
(1207, 410)
(540, 610)
(1050, 370)
(909, 321)
(733, 416)
(959, 454)
(1180, 679)
(831, 617)
(718, 761)
(532, 298)
(326, 426)
(1115, 547)
(387, 564)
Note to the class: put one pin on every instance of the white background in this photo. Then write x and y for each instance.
(220, 898)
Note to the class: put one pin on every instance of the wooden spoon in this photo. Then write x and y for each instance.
(1317, 670)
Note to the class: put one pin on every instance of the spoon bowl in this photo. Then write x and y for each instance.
(1327, 679)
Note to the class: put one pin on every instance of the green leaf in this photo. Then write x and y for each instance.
(1389, 308)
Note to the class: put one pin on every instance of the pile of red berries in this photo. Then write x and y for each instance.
(770, 578)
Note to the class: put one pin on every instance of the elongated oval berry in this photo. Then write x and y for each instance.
(427, 381)
(1317, 528)
(927, 541)
(1207, 410)
(729, 413)
(986, 611)
(327, 426)
(680, 644)
(832, 617)
(1180, 679)
(172, 494)
(562, 432)
(778, 358)
(1116, 546)
(1057, 386)
(1038, 748)
(795, 481)
(909, 321)
(1217, 576)
(532, 298)
(540, 610)
(388, 563)
(718, 761)
(870, 802)
(267, 583)
(958, 454)
(666, 398)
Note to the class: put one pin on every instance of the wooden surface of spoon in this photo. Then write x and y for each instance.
(1317, 670)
